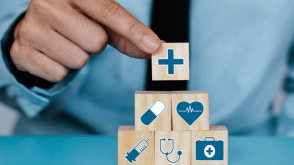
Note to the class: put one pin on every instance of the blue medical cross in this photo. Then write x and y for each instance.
(170, 61)
(209, 151)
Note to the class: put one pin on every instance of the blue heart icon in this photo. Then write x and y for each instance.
(190, 112)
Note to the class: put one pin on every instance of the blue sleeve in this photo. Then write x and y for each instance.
(285, 126)
(30, 100)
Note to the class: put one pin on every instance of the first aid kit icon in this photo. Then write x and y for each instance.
(209, 150)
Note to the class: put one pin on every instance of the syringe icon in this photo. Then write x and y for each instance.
(137, 150)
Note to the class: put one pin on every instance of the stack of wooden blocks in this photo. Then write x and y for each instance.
(172, 127)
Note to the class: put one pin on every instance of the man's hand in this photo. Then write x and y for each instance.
(58, 35)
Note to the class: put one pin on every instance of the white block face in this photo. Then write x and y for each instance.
(158, 107)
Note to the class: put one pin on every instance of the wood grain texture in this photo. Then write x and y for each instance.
(128, 138)
(143, 101)
(182, 142)
(219, 133)
(160, 72)
(202, 123)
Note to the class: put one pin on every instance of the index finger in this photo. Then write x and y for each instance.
(118, 19)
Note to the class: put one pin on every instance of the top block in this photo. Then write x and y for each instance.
(171, 62)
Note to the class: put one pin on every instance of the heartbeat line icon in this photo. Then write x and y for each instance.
(190, 110)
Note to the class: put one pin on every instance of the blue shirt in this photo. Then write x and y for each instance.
(238, 50)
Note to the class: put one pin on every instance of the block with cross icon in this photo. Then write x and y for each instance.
(171, 62)
(210, 147)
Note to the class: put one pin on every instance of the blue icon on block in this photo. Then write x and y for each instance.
(190, 112)
(209, 150)
(153, 112)
(167, 153)
(137, 150)
(171, 61)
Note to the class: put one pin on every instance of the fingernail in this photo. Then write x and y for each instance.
(150, 42)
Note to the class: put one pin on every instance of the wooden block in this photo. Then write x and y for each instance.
(128, 139)
(147, 99)
(186, 107)
(171, 62)
(219, 155)
(182, 143)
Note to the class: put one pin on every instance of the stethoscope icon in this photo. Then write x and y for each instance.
(167, 153)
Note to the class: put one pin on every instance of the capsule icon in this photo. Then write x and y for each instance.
(152, 113)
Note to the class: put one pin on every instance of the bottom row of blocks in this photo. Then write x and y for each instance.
(172, 147)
